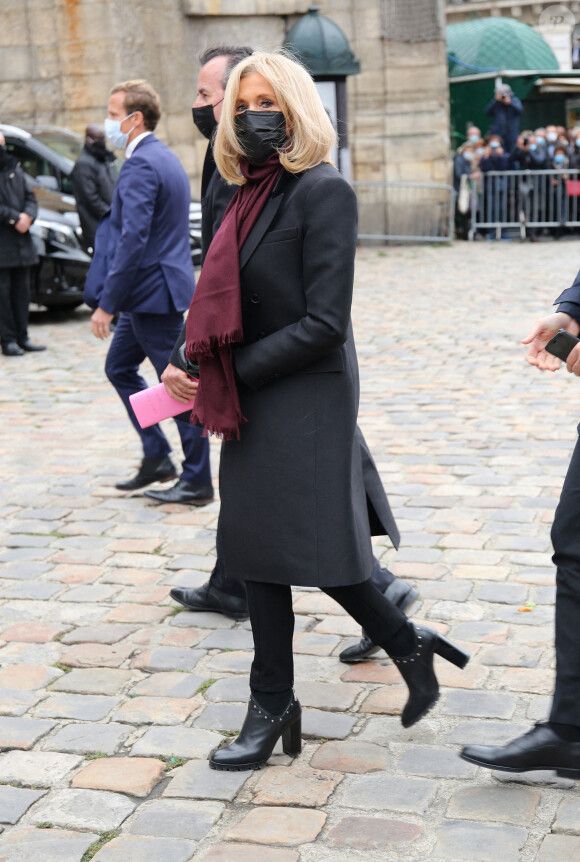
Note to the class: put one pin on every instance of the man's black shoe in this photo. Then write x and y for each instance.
(12, 349)
(208, 598)
(184, 492)
(151, 470)
(539, 748)
(30, 347)
(401, 594)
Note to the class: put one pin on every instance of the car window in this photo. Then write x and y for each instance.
(32, 164)
(70, 146)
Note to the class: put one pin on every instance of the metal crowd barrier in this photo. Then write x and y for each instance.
(405, 212)
(525, 200)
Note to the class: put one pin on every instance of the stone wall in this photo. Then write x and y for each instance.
(58, 59)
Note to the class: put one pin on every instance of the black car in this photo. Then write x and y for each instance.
(58, 279)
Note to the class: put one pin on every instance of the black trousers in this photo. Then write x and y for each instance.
(14, 301)
(566, 542)
(381, 576)
(272, 620)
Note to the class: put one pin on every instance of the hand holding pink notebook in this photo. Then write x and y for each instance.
(152, 405)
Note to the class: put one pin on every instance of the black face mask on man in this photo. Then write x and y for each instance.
(261, 133)
(205, 120)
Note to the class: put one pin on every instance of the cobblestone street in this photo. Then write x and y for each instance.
(112, 697)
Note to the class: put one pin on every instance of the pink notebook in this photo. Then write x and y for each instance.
(154, 404)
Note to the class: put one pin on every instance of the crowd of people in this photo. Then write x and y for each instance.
(513, 198)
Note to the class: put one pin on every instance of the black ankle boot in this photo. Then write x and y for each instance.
(151, 470)
(258, 736)
(417, 671)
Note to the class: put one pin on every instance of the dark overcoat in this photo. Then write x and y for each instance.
(93, 181)
(293, 502)
(16, 249)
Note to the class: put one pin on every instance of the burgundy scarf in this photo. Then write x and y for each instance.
(214, 321)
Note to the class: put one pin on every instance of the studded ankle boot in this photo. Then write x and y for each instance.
(258, 736)
(417, 671)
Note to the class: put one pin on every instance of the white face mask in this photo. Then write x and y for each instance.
(115, 135)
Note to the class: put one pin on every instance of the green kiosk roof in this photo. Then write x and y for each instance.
(322, 46)
(490, 44)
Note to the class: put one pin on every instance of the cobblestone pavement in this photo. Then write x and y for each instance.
(112, 698)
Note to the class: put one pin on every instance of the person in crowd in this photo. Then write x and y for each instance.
(18, 209)
(525, 157)
(221, 594)
(505, 109)
(494, 187)
(278, 382)
(142, 268)
(558, 203)
(555, 744)
(93, 180)
(463, 166)
(473, 134)
(540, 135)
(574, 150)
(551, 140)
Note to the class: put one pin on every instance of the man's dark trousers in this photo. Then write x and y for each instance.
(14, 301)
(136, 337)
(566, 542)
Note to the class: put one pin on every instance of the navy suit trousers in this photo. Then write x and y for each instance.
(137, 337)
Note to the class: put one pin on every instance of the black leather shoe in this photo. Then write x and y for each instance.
(30, 347)
(258, 736)
(417, 671)
(401, 594)
(209, 598)
(539, 748)
(12, 349)
(184, 492)
(151, 470)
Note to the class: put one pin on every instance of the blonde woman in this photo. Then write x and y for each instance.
(270, 328)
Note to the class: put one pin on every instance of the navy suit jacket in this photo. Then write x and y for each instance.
(142, 260)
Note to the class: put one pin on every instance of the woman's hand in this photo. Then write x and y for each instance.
(541, 333)
(178, 384)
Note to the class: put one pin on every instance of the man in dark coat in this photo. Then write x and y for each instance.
(93, 180)
(142, 267)
(505, 108)
(554, 744)
(18, 209)
(220, 594)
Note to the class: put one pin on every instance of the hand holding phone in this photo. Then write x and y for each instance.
(562, 344)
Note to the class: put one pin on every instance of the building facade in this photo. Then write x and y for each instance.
(59, 58)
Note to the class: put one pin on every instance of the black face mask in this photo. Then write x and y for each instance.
(99, 149)
(204, 119)
(261, 133)
(3, 155)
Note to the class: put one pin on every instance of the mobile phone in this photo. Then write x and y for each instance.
(561, 344)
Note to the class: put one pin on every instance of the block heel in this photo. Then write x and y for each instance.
(417, 671)
(292, 738)
(450, 652)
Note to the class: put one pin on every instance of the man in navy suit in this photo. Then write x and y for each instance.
(143, 269)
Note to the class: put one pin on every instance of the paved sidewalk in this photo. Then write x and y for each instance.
(111, 697)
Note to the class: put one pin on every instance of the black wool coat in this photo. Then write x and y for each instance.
(293, 502)
(93, 181)
(16, 249)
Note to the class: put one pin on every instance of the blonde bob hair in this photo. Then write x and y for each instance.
(312, 134)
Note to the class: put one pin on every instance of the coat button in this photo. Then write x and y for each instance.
(255, 299)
